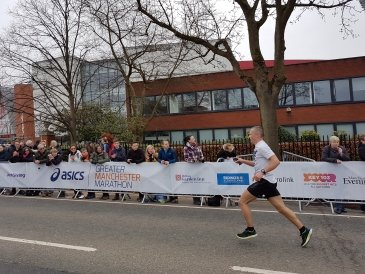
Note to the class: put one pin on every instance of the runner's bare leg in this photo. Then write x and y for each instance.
(279, 205)
(245, 199)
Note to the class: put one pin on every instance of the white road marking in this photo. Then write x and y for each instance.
(75, 247)
(188, 206)
(258, 271)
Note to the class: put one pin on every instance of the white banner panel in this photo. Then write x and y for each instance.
(295, 179)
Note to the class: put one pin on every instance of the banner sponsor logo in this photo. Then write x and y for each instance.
(284, 179)
(188, 179)
(354, 180)
(229, 179)
(67, 175)
(16, 175)
(320, 180)
(113, 176)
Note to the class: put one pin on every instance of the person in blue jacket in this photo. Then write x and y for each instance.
(166, 156)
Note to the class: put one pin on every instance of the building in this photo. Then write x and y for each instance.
(324, 96)
(7, 116)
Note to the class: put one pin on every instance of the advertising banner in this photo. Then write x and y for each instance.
(294, 179)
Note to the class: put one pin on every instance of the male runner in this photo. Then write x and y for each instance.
(265, 161)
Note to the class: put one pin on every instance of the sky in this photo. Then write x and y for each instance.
(310, 38)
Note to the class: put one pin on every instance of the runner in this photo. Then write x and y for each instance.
(265, 161)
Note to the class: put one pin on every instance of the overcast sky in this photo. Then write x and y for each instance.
(310, 38)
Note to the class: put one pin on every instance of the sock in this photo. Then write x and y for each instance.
(250, 228)
(302, 229)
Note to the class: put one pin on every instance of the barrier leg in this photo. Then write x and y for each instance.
(332, 210)
(300, 206)
(123, 197)
(144, 196)
(201, 200)
(3, 191)
(76, 194)
(227, 201)
(17, 192)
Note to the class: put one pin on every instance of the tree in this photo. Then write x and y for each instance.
(200, 21)
(142, 53)
(47, 45)
(93, 120)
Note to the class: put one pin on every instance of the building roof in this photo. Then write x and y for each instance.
(270, 63)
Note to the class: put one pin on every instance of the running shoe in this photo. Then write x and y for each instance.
(247, 234)
(306, 236)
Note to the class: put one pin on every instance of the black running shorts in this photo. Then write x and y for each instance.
(263, 189)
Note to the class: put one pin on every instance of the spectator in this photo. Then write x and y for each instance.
(361, 149)
(118, 155)
(166, 156)
(85, 156)
(54, 144)
(135, 155)
(150, 154)
(75, 157)
(227, 152)
(99, 157)
(28, 155)
(193, 154)
(334, 153)
(40, 158)
(15, 153)
(29, 144)
(4, 154)
(54, 158)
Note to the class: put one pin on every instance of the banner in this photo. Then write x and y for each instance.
(295, 179)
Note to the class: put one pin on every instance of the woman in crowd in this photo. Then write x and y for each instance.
(334, 153)
(193, 154)
(166, 156)
(85, 156)
(99, 157)
(150, 154)
(227, 152)
(27, 155)
(75, 157)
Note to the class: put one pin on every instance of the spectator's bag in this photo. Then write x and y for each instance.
(215, 200)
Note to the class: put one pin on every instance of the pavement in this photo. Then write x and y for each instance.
(48, 235)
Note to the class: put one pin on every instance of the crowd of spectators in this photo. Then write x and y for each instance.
(110, 150)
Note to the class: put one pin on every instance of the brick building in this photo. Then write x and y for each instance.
(324, 96)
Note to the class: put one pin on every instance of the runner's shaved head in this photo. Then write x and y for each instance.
(258, 129)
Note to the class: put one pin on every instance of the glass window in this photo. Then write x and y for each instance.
(341, 90)
(189, 100)
(175, 103)
(191, 133)
(150, 136)
(177, 137)
(148, 105)
(322, 92)
(161, 102)
(286, 96)
(343, 129)
(249, 99)
(325, 130)
(219, 100)
(205, 135)
(304, 128)
(234, 98)
(303, 93)
(358, 88)
(221, 134)
(203, 101)
(237, 133)
(163, 135)
(290, 129)
(360, 128)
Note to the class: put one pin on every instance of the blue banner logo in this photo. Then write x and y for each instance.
(233, 179)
